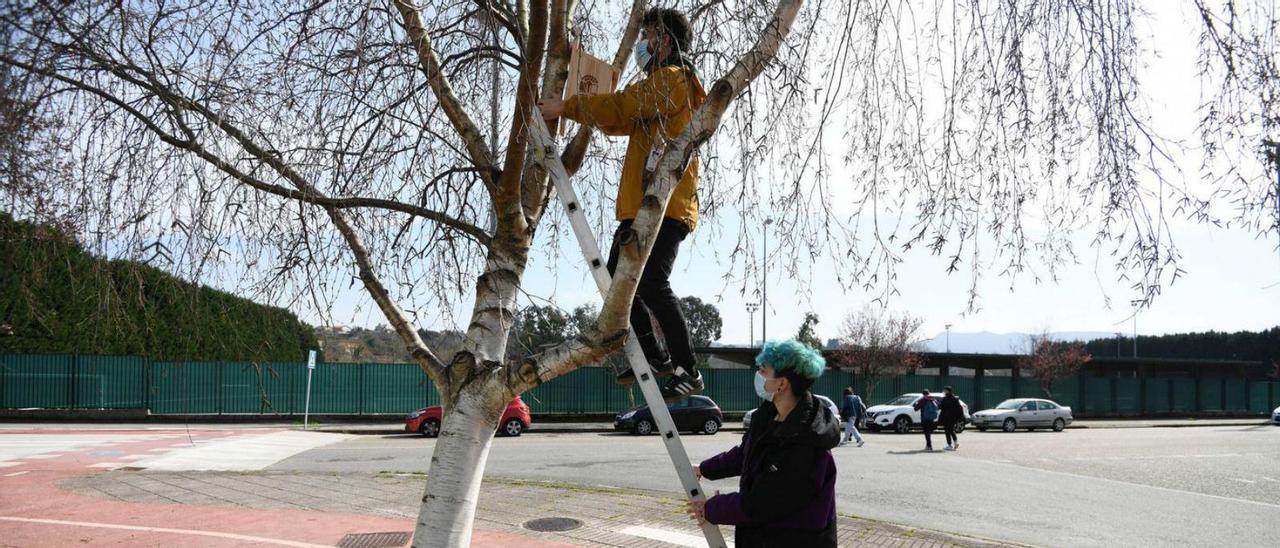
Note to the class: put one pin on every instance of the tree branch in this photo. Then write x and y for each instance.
(430, 364)
(536, 187)
(479, 152)
(510, 183)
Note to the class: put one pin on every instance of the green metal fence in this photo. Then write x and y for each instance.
(63, 381)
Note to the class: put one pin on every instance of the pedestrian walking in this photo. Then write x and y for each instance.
(787, 486)
(852, 409)
(928, 409)
(950, 414)
(652, 113)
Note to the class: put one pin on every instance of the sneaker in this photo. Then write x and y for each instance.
(956, 446)
(660, 370)
(860, 442)
(948, 448)
(682, 385)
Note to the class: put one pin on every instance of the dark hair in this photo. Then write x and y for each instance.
(671, 22)
(948, 389)
(848, 391)
(799, 384)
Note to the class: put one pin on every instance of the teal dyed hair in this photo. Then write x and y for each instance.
(791, 356)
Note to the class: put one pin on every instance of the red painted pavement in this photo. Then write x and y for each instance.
(29, 490)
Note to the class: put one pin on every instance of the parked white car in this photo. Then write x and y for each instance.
(901, 416)
(835, 411)
(1275, 417)
(1026, 413)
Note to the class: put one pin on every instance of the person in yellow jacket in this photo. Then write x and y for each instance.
(652, 113)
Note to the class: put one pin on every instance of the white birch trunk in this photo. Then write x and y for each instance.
(457, 467)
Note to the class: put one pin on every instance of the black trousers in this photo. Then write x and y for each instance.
(928, 433)
(950, 428)
(654, 296)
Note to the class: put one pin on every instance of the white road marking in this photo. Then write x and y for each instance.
(44, 446)
(1243, 480)
(10, 475)
(216, 534)
(108, 465)
(247, 452)
(664, 535)
(8, 464)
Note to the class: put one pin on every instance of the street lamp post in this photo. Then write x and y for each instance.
(1119, 337)
(948, 338)
(1135, 304)
(751, 313)
(764, 297)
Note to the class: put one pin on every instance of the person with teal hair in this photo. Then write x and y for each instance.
(787, 476)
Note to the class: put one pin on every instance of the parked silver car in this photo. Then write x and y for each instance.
(1026, 413)
(835, 411)
(1275, 417)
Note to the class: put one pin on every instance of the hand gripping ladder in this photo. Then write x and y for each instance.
(545, 148)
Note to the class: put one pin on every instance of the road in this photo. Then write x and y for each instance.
(1095, 487)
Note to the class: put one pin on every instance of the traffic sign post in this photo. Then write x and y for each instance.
(306, 409)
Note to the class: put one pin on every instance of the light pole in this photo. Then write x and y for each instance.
(948, 338)
(764, 297)
(751, 313)
(1134, 304)
(1119, 336)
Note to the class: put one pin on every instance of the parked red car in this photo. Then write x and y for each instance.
(515, 419)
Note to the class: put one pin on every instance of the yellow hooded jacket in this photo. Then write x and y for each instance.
(656, 108)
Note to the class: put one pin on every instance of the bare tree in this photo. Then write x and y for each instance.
(287, 151)
(877, 344)
(1050, 361)
(324, 138)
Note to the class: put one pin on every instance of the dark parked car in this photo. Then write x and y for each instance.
(691, 414)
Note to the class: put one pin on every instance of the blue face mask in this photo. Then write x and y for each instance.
(761, 391)
(642, 54)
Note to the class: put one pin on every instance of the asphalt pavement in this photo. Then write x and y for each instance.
(1085, 487)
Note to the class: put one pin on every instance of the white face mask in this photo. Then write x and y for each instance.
(643, 54)
(761, 391)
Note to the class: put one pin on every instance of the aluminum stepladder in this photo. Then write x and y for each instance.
(545, 148)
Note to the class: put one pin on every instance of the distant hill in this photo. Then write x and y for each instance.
(56, 297)
(381, 344)
(1001, 343)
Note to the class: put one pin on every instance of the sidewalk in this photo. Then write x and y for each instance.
(601, 516)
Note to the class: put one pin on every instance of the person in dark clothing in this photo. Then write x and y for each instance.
(851, 411)
(951, 414)
(786, 491)
(928, 409)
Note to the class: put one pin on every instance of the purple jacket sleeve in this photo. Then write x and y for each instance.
(726, 510)
(724, 465)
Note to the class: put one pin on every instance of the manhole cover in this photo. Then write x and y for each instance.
(552, 525)
(374, 540)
